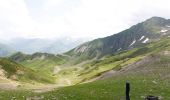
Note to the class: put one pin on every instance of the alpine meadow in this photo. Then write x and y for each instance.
(63, 50)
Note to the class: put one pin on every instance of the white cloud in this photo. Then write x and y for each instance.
(76, 18)
(14, 18)
(99, 17)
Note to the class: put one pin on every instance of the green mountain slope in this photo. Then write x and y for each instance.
(146, 68)
(145, 64)
(79, 65)
(14, 71)
(119, 60)
(42, 63)
(136, 36)
(38, 60)
(150, 78)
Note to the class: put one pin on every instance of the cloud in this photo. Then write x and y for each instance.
(76, 18)
(14, 18)
(101, 17)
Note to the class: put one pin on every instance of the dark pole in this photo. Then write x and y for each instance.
(127, 90)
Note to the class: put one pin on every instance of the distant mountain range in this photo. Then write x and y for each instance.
(5, 50)
(33, 45)
(136, 36)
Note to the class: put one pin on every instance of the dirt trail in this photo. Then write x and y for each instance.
(7, 84)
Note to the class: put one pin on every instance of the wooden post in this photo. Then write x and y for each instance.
(127, 90)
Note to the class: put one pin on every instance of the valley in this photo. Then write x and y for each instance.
(95, 70)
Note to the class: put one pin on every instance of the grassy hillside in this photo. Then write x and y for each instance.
(17, 72)
(143, 84)
(148, 75)
(98, 70)
(146, 68)
(42, 63)
(52, 66)
(38, 60)
(89, 70)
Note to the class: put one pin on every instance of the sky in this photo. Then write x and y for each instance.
(75, 18)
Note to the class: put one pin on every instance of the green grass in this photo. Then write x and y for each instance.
(15, 95)
(42, 65)
(112, 89)
(116, 61)
(109, 89)
(10, 67)
(22, 73)
(149, 78)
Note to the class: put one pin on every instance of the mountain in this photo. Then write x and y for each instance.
(101, 74)
(38, 61)
(5, 50)
(147, 77)
(141, 34)
(55, 46)
(147, 69)
(43, 64)
(95, 57)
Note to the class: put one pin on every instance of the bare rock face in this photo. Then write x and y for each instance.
(151, 98)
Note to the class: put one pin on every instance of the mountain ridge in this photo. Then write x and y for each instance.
(140, 34)
(55, 46)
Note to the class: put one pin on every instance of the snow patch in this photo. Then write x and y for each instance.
(146, 40)
(142, 38)
(119, 49)
(163, 31)
(134, 41)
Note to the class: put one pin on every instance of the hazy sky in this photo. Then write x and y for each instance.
(76, 18)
